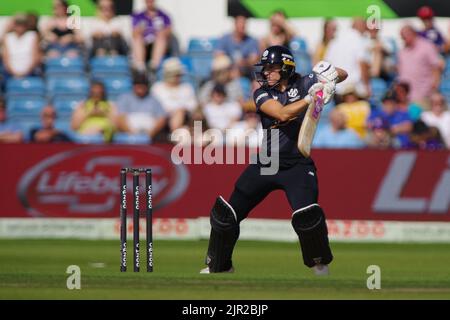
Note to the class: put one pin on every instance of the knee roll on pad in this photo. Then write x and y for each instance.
(223, 237)
(310, 225)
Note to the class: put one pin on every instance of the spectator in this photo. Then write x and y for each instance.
(139, 111)
(430, 32)
(222, 73)
(350, 51)
(400, 124)
(401, 91)
(59, 39)
(355, 109)
(241, 48)
(10, 132)
(382, 62)
(177, 98)
(336, 134)
(220, 113)
(425, 138)
(329, 33)
(379, 135)
(438, 116)
(419, 65)
(96, 115)
(247, 132)
(280, 33)
(21, 54)
(47, 132)
(107, 32)
(152, 34)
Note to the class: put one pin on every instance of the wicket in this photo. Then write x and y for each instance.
(136, 214)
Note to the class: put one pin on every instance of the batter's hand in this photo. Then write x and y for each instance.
(325, 72)
(313, 90)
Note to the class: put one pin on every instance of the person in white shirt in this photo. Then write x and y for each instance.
(107, 32)
(177, 98)
(21, 54)
(438, 116)
(220, 113)
(350, 51)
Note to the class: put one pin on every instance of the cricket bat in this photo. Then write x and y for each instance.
(309, 125)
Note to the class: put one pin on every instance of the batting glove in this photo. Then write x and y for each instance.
(313, 90)
(325, 72)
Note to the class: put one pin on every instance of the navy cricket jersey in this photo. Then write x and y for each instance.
(297, 89)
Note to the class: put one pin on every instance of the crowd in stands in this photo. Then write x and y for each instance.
(58, 85)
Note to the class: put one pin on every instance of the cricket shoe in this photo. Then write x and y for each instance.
(321, 270)
(206, 270)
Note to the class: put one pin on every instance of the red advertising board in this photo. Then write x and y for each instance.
(71, 180)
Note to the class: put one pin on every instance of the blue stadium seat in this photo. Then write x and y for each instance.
(303, 64)
(117, 85)
(379, 89)
(29, 86)
(103, 67)
(202, 45)
(65, 106)
(298, 44)
(64, 66)
(445, 89)
(202, 65)
(25, 108)
(87, 139)
(246, 86)
(57, 86)
(125, 138)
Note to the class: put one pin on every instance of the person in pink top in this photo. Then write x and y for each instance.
(419, 65)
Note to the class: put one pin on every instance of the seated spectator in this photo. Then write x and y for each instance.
(350, 51)
(47, 133)
(241, 48)
(107, 32)
(400, 124)
(379, 135)
(424, 137)
(355, 109)
(178, 99)
(141, 112)
(419, 65)
(430, 32)
(220, 113)
(382, 60)
(10, 132)
(152, 34)
(280, 33)
(401, 91)
(336, 134)
(96, 115)
(328, 34)
(247, 132)
(21, 54)
(222, 73)
(438, 116)
(59, 39)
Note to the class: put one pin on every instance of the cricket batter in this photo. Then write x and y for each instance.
(281, 101)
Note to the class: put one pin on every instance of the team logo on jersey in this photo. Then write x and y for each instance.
(293, 92)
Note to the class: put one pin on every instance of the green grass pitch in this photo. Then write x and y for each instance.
(36, 269)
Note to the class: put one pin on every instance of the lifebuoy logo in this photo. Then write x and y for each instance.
(85, 182)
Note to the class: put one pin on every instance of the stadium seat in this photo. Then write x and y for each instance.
(445, 89)
(379, 89)
(65, 106)
(24, 107)
(297, 45)
(302, 62)
(60, 86)
(116, 85)
(64, 66)
(246, 86)
(87, 139)
(110, 65)
(202, 45)
(125, 138)
(29, 86)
